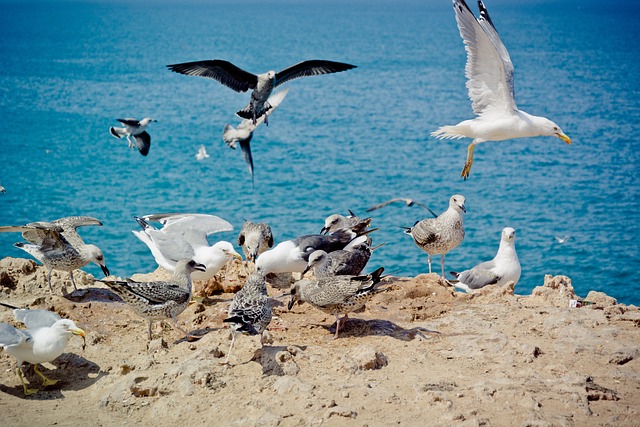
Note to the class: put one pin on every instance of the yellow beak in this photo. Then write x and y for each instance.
(236, 255)
(78, 331)
(564, 137)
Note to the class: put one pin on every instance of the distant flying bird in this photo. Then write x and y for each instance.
(136, 129)
(438, 236)
(58, 245)
(45, 339)
(202, 153)
(562, 240)
(2, 189)
(503, 268)
(244, 132)
(408, 202)
(489, 73)
(262, 84)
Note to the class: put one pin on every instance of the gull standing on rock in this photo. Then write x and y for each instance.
(348, 261)
(503, 268)
(244, 132)
(489, 73)
(45, 339)
(184, 236)
(136, 129)
(255, 239)
(442, 234)
(159, 300)
(250, 310)
(352, 221)
(58, 246)
(337, 294)
(262, 84)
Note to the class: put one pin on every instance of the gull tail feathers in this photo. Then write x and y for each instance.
(117, 132)
(447, 132)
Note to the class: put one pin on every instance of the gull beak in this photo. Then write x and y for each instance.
(291, 302)
(236, 255)
(306, 270)
(324, 230)
(200, 267)
(564, 137)
(105, 270)
(78, 331)
(464, 209)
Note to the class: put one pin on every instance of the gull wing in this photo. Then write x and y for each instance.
(10, 336)
(129, 122)
(190, 228)
(34, 319)
(312, 67)
(143, 142)
(489, 69)
(46, 235)
(69, 225)
(479, 276)
(223, 71)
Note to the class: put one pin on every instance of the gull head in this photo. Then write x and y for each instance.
(316, 258)
(457, 203)
(67, 327)
(331, 222)
(94, 254)
(193, 266)
(295, 294)
(146, 121)
(508, 235)
(227, 250)
(549, 128)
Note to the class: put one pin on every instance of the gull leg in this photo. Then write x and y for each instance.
(49, 271)
(45, 381)
(442, 265)
(233, 340)
(73, 281)
(131, 144)
(467, 164)
(429, 260)
(337, 326)
(187, 334)
(27, 391)
(150, 335)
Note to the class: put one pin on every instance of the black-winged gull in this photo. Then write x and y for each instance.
(159, 300)
(134, 129)
(254, 239)
(503, 268)
(184, 236)
(244, 132)
(262, 84)
(45, 339)
(336, 294)
(489, 73)
(440, 235)
(58, 246)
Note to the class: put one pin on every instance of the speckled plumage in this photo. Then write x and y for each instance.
(352, 222)
(437, 236)
(255, 238)
(336, 294)
(58, 246)
(349, 261)
(159, 300)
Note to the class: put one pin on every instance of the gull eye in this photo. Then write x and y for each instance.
(555, 128)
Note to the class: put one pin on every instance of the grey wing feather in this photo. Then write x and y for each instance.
(143, 142)
(33, 319)
(71, 223)
(10, 336)
(191, 229)
(312, 67)
(154, 292)
(129, 122)
(223, 71)
(479, 276)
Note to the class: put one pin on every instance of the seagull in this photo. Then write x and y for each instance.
(562, 240)
(503, 268)
(136, 129)
(348, 261)
(159, 300)
(262, 84)
(58, 245)
(336, 222)
(2, 189)
(337, 294)
(490, 82)
(408, 202)
(184, 236)
(255, 239)
(45, 339)
(442, 234)
(293, 255)
(250, 310)
(244, 132)
(202, 153)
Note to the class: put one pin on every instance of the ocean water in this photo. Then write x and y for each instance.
(337, 142)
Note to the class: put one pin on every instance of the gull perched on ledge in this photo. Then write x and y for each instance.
(489, 73)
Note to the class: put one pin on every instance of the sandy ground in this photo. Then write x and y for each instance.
(420, 354)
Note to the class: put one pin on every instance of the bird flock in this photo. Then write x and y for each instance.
(328, 265)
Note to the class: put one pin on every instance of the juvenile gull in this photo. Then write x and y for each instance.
(348, 261)
(442, 234)
(202, 153)
(44, 340)
(184, 236)
(408, 202)
(489, 73)
(58, 246)
(352, 221)
(262, 84)
(336, 294)
(134, 129)
(159, 300)
(255, 239)
(503, 268)
(293, 255)
(250, 310)
(244, 132)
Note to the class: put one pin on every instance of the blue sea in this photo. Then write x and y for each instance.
(337, 142)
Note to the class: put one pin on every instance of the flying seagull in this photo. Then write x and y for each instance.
(262, 84)
(408, 202)
(58, 245)
(503, 268)
(244, 132)
(202, 153)
(562, 240)
(489, 73)
(136, 129)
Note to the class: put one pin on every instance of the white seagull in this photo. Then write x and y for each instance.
(202, 153)
(503, 268)
(262, 84)
(184, 236)
(489, 73)
(244, 132)
(136, 129)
